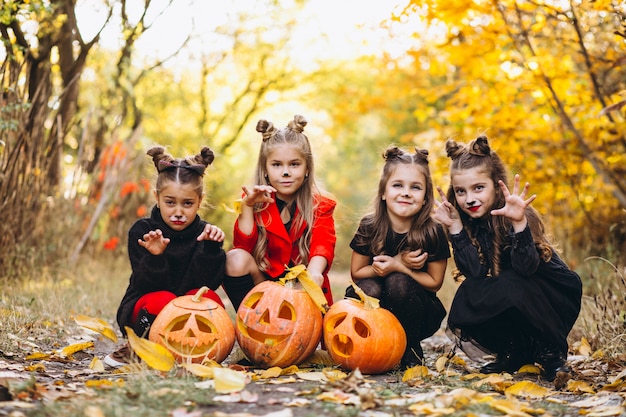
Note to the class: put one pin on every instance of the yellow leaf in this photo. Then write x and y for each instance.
(441, 362)
(515, 408)
(199, 370)
(96, 364)
(104, 383)
(529, 369)
(585, 347)
(272, 372)
(579, 387)
(153, 354)
(426, 409)
(76, 347)
(37, 356)
(228, 380)
(236, 209)
(300, 273)
(38, 367)
(93, 411)
(416, 372)
(97, 325)
(527, 389)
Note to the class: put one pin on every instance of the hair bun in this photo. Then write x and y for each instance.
(421, 154)
(480, 146)
(392, 152)
(454, 149)
(298, 123)
(266, 129)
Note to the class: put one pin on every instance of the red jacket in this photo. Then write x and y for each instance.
(282, 247)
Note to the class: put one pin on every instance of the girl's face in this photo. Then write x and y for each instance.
(286, 170)
(474, 190)
(179, 204)
(404, 195)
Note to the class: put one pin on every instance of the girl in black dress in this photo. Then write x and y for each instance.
(399, 253)
(518, 300)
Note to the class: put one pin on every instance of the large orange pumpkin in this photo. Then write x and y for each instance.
(360, 334)
(278, 325)
(194, 328)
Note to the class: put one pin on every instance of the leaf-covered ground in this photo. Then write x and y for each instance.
(41, 377)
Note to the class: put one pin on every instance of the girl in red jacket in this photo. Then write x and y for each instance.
(285, 219)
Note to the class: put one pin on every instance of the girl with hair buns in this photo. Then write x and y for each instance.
(285, 219)
(173, 252)
(399, 253)
(518, 300)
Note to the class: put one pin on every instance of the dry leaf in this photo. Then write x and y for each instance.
(97, 325)
(416, 372)
(527, 389)
(199, 370)
(300, 273)
(579, 387)
(76, 347)
(153, 354)
(529, 369)
(96, 364)
(426, 409)
(515, 408)
(227, 381)
(585, 347)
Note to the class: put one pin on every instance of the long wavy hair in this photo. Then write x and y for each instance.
(478, 154)
(423, 228)
(304, 198)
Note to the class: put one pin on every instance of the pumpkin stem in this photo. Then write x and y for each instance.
(369, 303)
(198, 295)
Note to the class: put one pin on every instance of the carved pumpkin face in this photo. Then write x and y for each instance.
(278, 326)
(355, 337)
(194, 330)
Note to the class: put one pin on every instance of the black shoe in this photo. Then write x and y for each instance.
(552, 362)
(505, 362)
(413, 356)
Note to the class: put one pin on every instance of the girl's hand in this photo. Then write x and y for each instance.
(154, 242)
(317, 277)
(515, 204)
(384, 265)
(258, 194)
(447, 214)
(414, 260)
(212, 232)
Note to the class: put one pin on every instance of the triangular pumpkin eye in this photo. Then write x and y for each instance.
(287, 312)
(179, 323)
(253, 300)
(204, 325)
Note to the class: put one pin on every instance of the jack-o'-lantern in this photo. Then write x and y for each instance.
(363, 335)
(278, 325)
(194, 328)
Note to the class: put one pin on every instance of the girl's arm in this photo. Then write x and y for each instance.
(258, 194)
(360, 267)
(431, 279)
(316, 267)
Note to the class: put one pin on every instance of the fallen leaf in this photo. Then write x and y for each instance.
(201, 371)
(97, 325)
(515, 408)
(227, 380)
(96, 364)
(153, 354)
(76, 347)
(579, 387)
(529, 369)
(427, 409)
(416, 372)
(585, 347)
(527, 389)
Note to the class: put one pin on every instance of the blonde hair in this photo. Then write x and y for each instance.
(304, 198)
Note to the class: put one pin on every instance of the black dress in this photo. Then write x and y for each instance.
(529, 300)
(419, 310)
(185, 264)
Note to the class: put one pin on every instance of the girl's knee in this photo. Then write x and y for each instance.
(239, 262)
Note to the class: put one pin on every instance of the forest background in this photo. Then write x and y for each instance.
(545, 80)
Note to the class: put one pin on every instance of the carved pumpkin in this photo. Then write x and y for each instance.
(194, 328)
(360, 334)
(278, 325)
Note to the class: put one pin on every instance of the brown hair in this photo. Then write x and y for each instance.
(423, 228)
(189, 170)
(478, 154)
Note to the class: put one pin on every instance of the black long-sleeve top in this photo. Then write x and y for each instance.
(185, 264)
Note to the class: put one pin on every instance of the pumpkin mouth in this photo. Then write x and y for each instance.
(265, 338)
(181, 339)
(342, 345)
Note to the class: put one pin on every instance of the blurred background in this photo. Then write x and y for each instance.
(89, 85)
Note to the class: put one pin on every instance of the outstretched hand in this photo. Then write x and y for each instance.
(447, 214)
(515, 203)
(154, 242)
(212, 232)
(258, 194)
